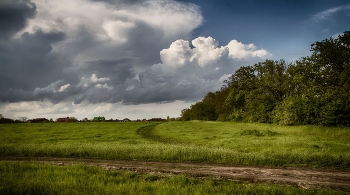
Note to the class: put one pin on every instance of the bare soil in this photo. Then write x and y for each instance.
(299, 177)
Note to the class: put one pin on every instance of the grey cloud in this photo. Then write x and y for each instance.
(159, 84)
(14, 15)
(27, 63)
(80, 99)
(86, 66)
(187, 80)
(39, 43)
(15, 95)
(141, 50)
(127, 2)
(81, 41)
(146, 42)
(117, 70)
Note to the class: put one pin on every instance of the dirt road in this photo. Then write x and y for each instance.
(299, 177)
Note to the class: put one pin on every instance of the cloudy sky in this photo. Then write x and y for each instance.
(144, 58)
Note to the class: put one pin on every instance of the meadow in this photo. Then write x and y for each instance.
(252, 144)
(194, 141)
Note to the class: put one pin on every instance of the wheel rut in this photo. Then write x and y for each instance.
(299, 177)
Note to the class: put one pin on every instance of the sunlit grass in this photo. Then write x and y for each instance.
(211, 142)
(266, 143)
(32, 178)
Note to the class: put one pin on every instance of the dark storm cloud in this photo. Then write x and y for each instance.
(115, 58)
(116, 70)
(26, 63)
(146, 42)
(14, 15)
(141, 49)
(164, 84)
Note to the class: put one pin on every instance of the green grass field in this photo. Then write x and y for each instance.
(265, 144)
(211, 142)
(195, 141)
(33, 178)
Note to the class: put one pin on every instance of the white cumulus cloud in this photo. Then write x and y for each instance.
(244, 51)
(206, 50)
(178, 54)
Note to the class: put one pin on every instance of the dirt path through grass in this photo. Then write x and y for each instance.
(299, 177)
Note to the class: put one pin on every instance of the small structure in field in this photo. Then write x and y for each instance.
(63, 120)
(98, 119)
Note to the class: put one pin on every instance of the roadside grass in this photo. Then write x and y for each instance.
(35, 178)
(210, 142)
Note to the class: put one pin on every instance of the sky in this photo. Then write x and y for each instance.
(145, 58)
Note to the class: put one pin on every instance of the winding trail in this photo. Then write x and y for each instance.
(299, 177)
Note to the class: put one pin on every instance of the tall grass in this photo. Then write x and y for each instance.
(32, 178)
(211, 142)
(266, 144)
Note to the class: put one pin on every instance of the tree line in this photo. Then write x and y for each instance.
(312, 90)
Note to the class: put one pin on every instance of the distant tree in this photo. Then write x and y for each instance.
(51, 120)
(6, 120)
(1, 116)
(73, 119)
(23, 119)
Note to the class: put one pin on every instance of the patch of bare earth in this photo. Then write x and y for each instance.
(299, 177)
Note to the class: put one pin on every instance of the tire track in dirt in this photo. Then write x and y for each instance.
(299, 177)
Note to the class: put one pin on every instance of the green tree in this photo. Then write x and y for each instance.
(241, 85)
(313, 90)
(73, 119)
(327, 72)
(186, 114)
